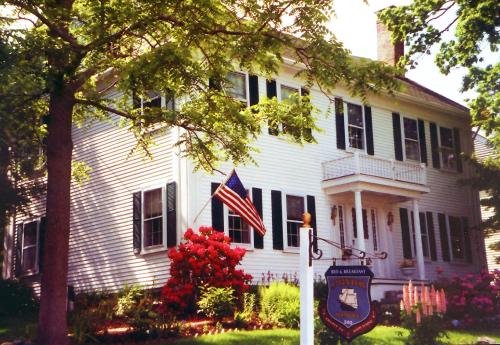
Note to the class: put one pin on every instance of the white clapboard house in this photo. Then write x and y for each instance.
(382, 177)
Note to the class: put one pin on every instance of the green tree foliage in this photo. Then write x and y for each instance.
(21, 128)
(420, 26)
(88, 48)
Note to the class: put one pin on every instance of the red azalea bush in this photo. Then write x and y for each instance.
(474, 298)
(204, 259)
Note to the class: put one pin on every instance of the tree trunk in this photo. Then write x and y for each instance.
(52, 326)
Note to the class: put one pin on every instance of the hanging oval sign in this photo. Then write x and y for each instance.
(348, 308)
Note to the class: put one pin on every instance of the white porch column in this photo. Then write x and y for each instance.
(418, 241)
(359, 220)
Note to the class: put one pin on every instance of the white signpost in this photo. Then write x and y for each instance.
(306, 285)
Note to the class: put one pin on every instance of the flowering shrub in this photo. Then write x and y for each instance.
(423, 314)
(204, 259)
(474, 298)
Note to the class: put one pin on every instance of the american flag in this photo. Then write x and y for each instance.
(234, 195)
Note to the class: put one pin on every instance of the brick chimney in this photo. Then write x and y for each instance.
(387, 51)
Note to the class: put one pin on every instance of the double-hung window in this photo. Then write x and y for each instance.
(29, 245)
(355, 126)
(447, 148)
(153, 217)
(238, 230)
(294, 210)
(238, 87)
(411, 140)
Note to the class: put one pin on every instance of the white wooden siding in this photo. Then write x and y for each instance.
(101, 253)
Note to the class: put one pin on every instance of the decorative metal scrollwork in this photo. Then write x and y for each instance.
(348, 253)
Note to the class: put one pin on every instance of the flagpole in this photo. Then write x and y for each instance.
(211, 196)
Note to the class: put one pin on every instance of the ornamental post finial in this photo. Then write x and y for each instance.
(306, 219)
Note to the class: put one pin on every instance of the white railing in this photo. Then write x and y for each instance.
(358, 163)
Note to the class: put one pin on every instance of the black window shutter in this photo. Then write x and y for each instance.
(171, 209)
(253, 86)
(311, 208)
(217, 210)
(258, 239)
(277, 218)
(445, 248)
(271, 88)
(271, 92)
(422, 142)
(432, 236)
(467, 239)
(214, 84)
(41, 242)
(136, 210)
(369, 131)
(398, 141)
(434, 146)
(18, 250)
(458, 150)
(339, 123)
(405, 231)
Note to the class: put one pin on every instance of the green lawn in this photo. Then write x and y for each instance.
(12, 328)
(380, 335)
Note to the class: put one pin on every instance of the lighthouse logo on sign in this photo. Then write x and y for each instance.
(348, 308)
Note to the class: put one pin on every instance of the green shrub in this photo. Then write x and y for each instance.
(216, 302)
(280, 304)
(128, 299)
(16, 298)
(247, 311)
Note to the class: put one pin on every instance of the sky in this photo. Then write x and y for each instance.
(355, 26)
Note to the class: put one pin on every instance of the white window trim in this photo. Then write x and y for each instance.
(158, 247)
(443, 167)
(448, 233)
(403, 138)
(346, 126)
(248, 246)
(37, 246)
(279, 84)
(247, 88)
(284, 193)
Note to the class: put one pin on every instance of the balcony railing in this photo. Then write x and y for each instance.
(358, 163)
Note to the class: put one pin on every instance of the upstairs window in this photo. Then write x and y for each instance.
(237, 86)
(153, 217)
(294, 210)
(355, 126)
(29, 261)
(411, 141)
(447, 148)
